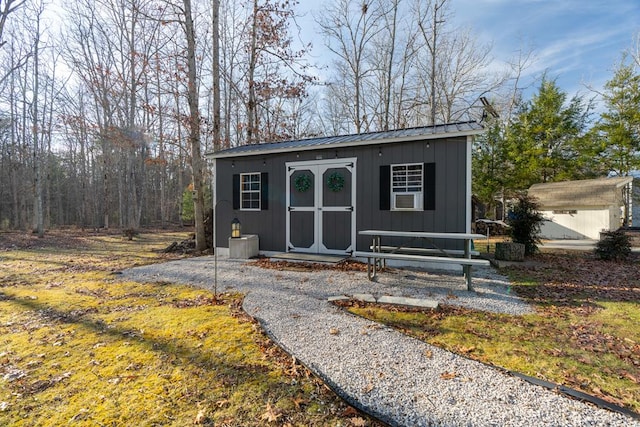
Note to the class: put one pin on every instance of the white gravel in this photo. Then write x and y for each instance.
(401, 380)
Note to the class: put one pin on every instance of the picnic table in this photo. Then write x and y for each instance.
(407, 252)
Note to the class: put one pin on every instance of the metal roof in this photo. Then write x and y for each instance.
(373, 138)
(583, 193)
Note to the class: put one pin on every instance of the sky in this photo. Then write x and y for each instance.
(576, 42)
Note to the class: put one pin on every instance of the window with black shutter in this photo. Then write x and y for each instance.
(251, 191)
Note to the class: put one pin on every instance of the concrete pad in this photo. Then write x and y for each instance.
(306, 257)
(338, 298)
(410, 302)
(364, 297)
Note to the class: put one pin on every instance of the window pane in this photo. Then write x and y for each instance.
(407, 178)
(250, 191)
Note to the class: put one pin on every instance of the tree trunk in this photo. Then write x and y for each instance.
(389, 76)
(194, 129)
(37, 153)
(216, 73)
(14, 147)
(252, 107)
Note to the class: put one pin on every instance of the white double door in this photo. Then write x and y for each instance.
(321, 214)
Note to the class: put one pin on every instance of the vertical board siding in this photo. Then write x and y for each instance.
(449, 215)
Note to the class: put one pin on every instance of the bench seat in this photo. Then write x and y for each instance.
(422, 258)
(466, 263)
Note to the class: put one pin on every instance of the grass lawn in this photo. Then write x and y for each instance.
(585, 333)
(78, 346)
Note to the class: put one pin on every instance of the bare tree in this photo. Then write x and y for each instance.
(276, 73)
(36, 127)
(349, 28)
(215, 70)
(432, 23)
(197, 167)
(6, 8)
(462, 77)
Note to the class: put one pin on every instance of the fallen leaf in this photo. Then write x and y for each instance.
(81, 415)
(635, 379)
(358, 422)
(334, 331)
(428, 354)
(271, 414)
(350, 412)
(448, 375)
(201, 418)
(221, 403)
(467, 350)
(299, 402)
(368, 388)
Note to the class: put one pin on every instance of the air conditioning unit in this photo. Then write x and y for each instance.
(407, 201)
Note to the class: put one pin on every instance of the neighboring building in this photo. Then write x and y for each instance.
(314, 195)
(582, 209)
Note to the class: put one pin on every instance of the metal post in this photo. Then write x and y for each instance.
(467, 268)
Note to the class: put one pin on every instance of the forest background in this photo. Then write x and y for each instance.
(107, 106)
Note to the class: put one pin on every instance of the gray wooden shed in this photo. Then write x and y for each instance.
(314, 195)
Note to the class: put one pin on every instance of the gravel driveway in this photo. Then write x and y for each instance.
(400, 380)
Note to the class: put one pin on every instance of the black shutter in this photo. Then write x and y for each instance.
(385, 187)
(264, 191)
(429, 186)
(236, 191)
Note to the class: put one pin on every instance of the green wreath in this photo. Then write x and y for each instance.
(302, 182)
(335, 182)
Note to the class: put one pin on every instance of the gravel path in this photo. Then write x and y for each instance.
(401, 380)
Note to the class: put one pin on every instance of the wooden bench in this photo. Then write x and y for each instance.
(379, 253)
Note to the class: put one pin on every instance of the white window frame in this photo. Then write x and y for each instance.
(408, 186)
(248, 190)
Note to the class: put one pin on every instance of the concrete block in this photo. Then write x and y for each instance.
(338, 298)
(244, 247)
(509, 251)
(410, 302)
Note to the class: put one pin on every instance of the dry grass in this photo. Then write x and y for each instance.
(78, 346)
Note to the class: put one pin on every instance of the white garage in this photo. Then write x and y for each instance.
(582, 209)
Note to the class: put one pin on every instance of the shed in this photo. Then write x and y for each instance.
(314, 195)
(582, 209)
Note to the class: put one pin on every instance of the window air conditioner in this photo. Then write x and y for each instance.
(405, 201)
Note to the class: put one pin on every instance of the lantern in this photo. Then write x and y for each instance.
(236, 228)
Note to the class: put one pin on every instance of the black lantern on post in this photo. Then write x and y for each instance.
(236, 228)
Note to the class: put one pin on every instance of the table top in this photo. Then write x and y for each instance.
(424, 234)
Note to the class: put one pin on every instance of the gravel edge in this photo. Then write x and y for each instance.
(396, 378)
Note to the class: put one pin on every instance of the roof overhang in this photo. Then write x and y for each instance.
(587, 194)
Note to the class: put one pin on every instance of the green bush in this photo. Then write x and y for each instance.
(524, 221)
(614, 245)
(188, 209)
